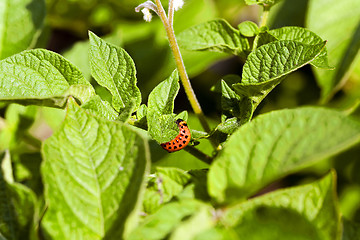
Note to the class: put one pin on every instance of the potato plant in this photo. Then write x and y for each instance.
(82, 131)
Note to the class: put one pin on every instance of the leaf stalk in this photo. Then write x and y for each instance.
(199, 154)
(265, 15)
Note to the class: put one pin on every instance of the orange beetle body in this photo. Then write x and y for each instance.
(181, 140)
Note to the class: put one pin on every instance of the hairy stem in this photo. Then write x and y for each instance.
(181, 68)
(171, 12)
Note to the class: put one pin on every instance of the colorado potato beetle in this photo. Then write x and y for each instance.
(181, 140)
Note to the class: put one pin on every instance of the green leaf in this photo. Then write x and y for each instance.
(248, 29)
(78, 53)
(217, 234)
(305, 36)
(182, 159)
(27, 170)
(162, 128)
(351, 230)
(203, 219)
(271, 146)
(263, 38)
(41, 77)
(269, 64)
(229, 80)
(21, 22)
(16, 204)
(229, 125)
(339, 23)
(287, 13)
(162, 97)
(304, 212)
(277, 59)
(215, 35)
(100, 108)
(113, 68)
(79, 56)
(197, 187)
(161, 121)
(18, 120)
(234, 105)
(141, 120)
(141, 112)
(162, 223)
(166, 183)
(262, 2)
(93, 174)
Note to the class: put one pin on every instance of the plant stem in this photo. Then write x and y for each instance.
(265, 15)
(171, 12)
(199, 154)
(181, 68)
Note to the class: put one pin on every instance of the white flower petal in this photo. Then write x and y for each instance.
(178, 4)
(147, 14)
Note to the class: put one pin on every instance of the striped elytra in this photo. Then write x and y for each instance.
(181, 140)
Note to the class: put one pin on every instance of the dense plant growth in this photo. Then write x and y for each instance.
(274, 156)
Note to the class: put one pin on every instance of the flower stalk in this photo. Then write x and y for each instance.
(168, 24)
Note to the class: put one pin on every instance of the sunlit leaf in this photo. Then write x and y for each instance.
(166, 183)
(113, 68)
(161, 121)
(215, 35)
(271, 146)
(93, 175)
(41, 77)
(267, 66)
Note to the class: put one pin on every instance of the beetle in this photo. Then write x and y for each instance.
(181, 140)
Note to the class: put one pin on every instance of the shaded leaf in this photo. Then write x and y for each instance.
(351, 230)
(235, 105)
(141, 120)
(18, 120)
(197, 223)
(17, 204)
(339, 23)
(262, 2)
(264, 38)
(304, 212)
(162, 223)
(21, 22)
